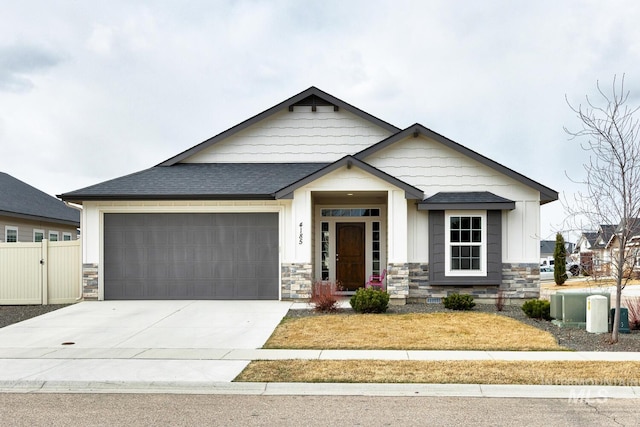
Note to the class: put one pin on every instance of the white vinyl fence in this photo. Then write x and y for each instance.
(40, 273)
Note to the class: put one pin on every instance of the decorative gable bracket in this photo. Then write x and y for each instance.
(313, 101)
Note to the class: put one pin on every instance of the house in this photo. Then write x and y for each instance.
(594, 250)
(632, 247)
(30, 215)
(314, 189)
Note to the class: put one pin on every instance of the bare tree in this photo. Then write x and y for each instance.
(609, 131)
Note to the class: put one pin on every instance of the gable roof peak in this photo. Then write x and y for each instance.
(546, 194)
(306, 96)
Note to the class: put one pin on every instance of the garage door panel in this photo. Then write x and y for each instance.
(224, 289)
(191, 256)
(181, 271)
(156, 238)
(133, 237)
(222, 270)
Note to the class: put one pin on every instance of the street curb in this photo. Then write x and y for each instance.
(574, 392)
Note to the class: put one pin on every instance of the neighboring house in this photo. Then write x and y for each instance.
(595, 249)
(30, 215)
(314, 189)
(632, 247)
(548, 249)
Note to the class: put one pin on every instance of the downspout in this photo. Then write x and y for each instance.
(78, 208)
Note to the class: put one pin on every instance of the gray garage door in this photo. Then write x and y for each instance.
(191, 256)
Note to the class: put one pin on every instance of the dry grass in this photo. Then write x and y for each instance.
(585, 283)
(417, 331)
(444, 372)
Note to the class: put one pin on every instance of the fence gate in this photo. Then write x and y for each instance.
(40, 273)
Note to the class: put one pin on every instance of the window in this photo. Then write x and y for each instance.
(53, 236)
(350, 212)
(466, 244)
(375, 248)
(66, 236)
(38, 235)
(10, 234)
(325, 250)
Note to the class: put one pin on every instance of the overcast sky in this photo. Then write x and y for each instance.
(93, 90)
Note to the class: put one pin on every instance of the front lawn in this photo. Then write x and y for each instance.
(444, 372)
(413, 331)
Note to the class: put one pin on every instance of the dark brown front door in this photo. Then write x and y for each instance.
(350, 255)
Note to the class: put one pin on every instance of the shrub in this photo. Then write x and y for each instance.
(633, 305)
(458, 302)
(500, 300)
(537, 309)
(560, 261)
(370, 300)
(324, 296)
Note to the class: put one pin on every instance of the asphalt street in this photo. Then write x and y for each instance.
(242, 410)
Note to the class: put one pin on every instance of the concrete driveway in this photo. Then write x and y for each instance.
(130, 341)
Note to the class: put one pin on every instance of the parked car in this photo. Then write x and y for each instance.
(573, 268)
(546, 272)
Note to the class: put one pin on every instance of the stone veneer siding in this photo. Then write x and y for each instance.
(398, 283)
(90, 281)
(519, 281)
(296, 281)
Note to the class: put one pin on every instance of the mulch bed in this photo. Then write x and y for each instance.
(10, 314)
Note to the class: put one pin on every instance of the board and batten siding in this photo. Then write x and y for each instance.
(296, 136)
(433, 167)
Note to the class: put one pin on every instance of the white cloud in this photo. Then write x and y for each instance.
(95, 90)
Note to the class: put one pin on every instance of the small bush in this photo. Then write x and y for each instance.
(500, 300)
(633, 305)
(324, 296)
(537, 309)
(370, 300)
(458, 302)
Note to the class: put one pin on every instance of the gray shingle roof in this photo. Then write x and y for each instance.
(19, 199)
(547, 247)
(466, 200)
(200, 181)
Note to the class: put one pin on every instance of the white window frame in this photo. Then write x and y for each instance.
(44, 236)
(69, 235)
(54, 233)
(8, 228)
(482, 272)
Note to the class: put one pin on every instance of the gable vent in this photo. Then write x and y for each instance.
(313, 101)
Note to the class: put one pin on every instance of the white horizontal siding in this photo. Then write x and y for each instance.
(296, 136)
(432, 167)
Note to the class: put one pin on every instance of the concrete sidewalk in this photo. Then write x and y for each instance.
(201, 346)
(210, 371)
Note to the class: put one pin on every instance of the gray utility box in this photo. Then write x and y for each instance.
(570, 308)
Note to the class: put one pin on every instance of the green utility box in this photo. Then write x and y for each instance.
(569, 309)
(555, 309)
(624, 320)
